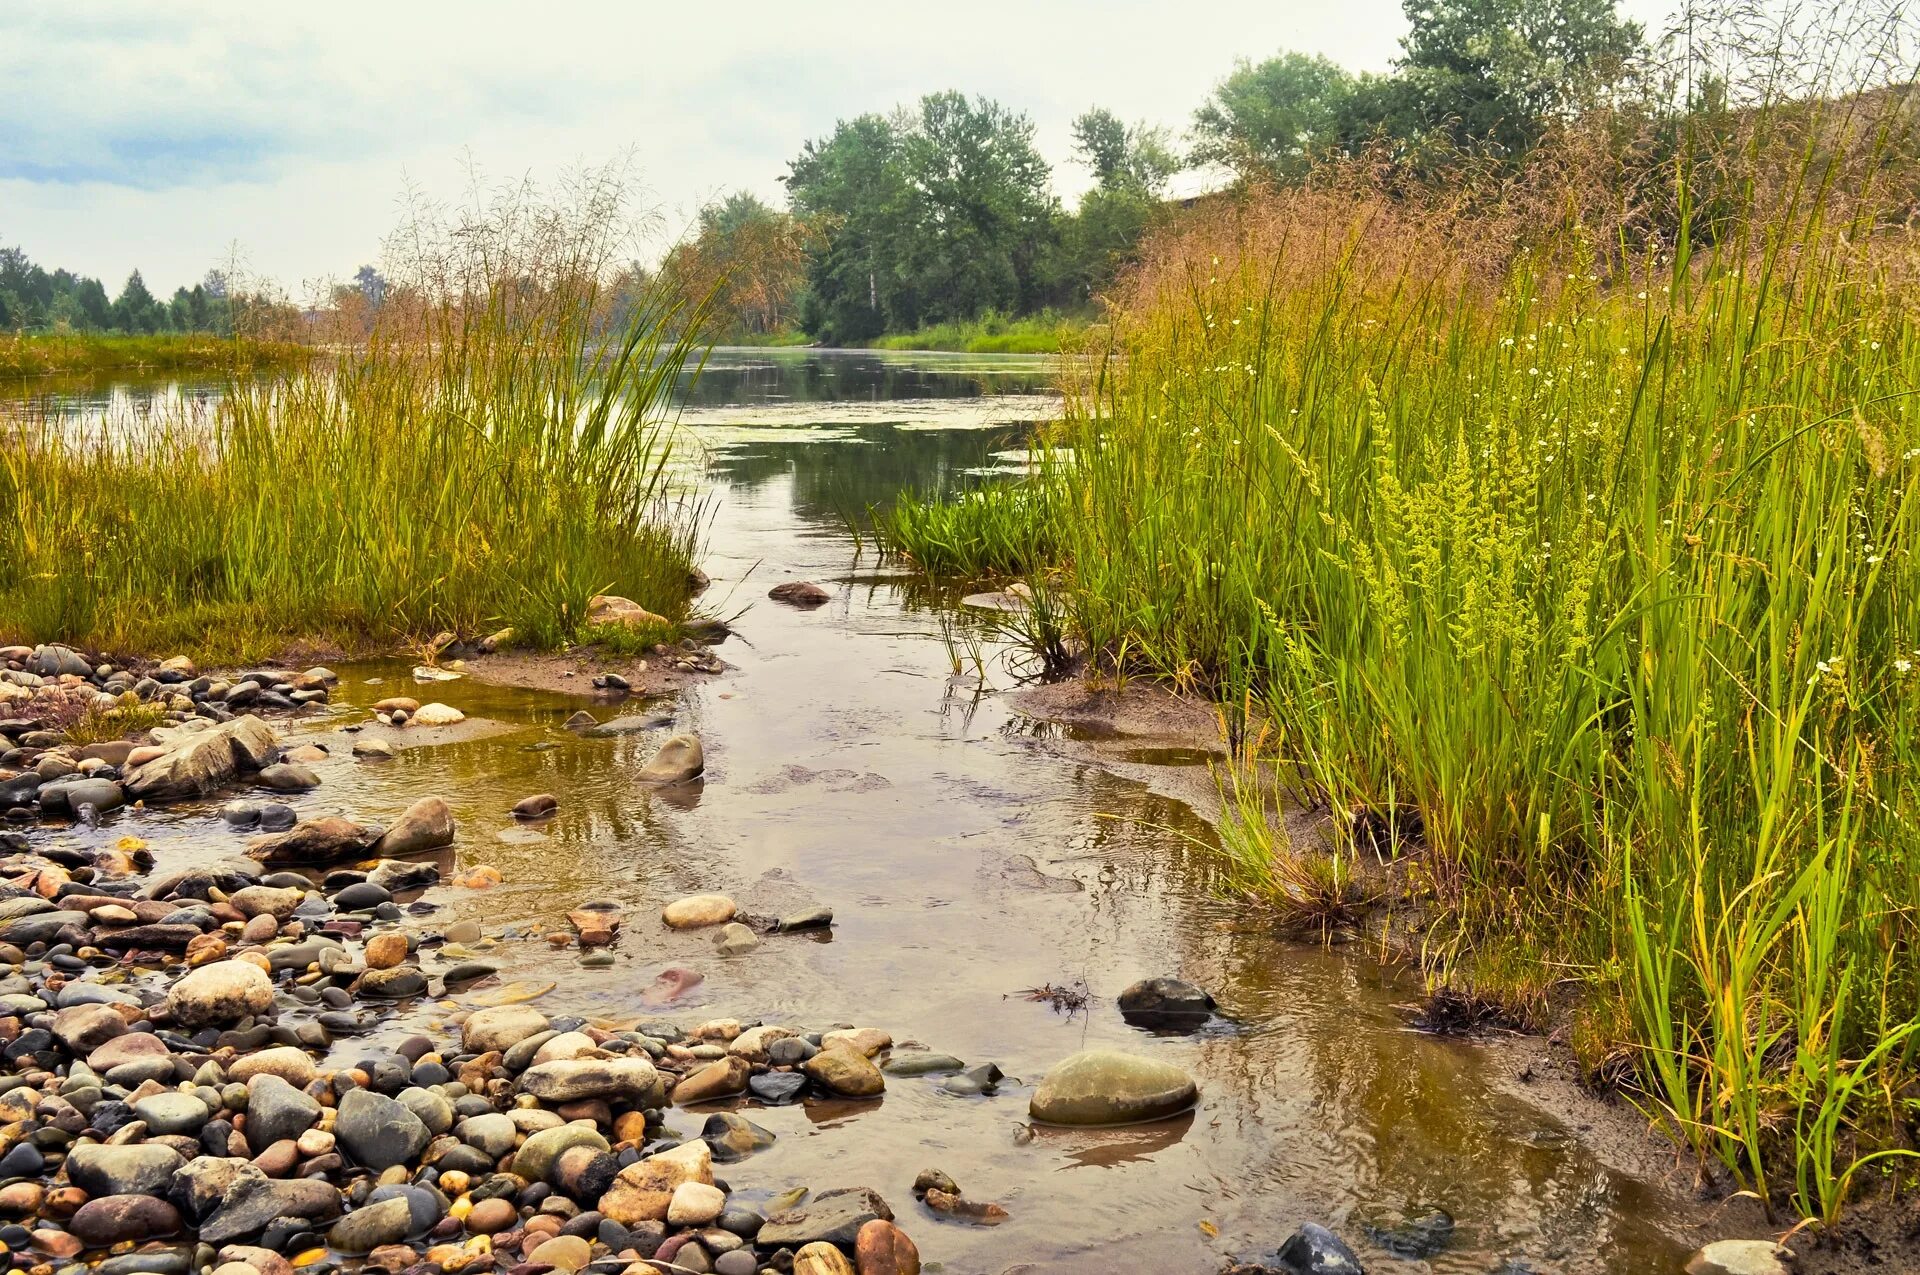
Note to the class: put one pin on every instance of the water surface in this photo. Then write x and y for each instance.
(967, 857)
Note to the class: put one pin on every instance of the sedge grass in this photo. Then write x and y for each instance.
(493, 457)
(87, 353)
(1591, 560)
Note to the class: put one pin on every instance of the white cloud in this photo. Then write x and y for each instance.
(134, 135)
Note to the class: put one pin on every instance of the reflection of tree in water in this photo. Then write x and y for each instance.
(826, 376)
(1337, 1104)
(835, 477)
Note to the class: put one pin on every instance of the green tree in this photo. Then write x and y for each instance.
(1500, 72)
(135, 310)
(935, 213)
(1273, 119)
(1123, 157)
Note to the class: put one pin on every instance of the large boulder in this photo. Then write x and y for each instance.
(316, 841)
(1104, 1087)
(1165, 1004)
(1314, 1250)
(220, 992)
(194, 765)
(426, 825)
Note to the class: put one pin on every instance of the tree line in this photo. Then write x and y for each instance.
(943, 211)
(35, 299)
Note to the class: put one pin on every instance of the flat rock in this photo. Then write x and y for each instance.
(1741, 1257)
(501, 1027)
(314, 842)
(644, 1191)
(572, 1079)
(831, 1217)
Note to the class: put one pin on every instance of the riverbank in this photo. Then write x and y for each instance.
(1471, 553)
(80, 354)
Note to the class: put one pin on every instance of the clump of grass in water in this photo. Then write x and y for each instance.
(1589, 562)
(493, 456)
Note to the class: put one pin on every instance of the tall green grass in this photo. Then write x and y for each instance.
(493, 457)
(1579, 556)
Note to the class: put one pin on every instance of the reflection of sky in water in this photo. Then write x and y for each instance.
(848, 765)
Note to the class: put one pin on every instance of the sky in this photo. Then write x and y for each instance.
(178, 137)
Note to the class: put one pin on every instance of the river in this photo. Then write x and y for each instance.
(969, 852)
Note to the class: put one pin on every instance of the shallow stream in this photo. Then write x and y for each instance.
(968, 852)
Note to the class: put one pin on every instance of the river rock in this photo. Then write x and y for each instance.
(831, 1217)
(678, 760)
(821, 1259)
(695, 1204)
(220, 993)
(287, 776)
(536, 1156)
(437, 714)
(696, 911)
(538, 806)
(501, 1027)
(277, 902)
(425, 825)
(371, 1225)
(491, 1132)
(719, 1079)
(372, 750)
(1741, 1257)
(572, 1079)
(643, 1191)
(276, 1112)
(84, 1028)
(117, 1219)
(881, 1248)
(1103, 1087)
(172, 1113)
(289, 1062)
(611, 609)
(799, 593)
(1314, 1250)
(566, 1253)
(253, 1200)
(131, 1169)
(777, 1087)
(735, 939)
(194, 765)
(921, 1063)
(732, 1137)
(315, 842)
(1165, 1003)
(845, 1071)
(378, 1131)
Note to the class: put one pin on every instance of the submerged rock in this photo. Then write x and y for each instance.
(799, 593)
(1741, 1257)
(1165, 1003)
(1104, 1087)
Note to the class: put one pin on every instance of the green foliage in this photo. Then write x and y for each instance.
(1597, 580)
(491, 457)
(1273, 119)
(33, 299)
(925, 217)
(1473, 75)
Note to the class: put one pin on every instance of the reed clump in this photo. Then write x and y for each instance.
(494, 455)
(1570, 534)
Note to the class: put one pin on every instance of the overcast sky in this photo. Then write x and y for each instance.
(160, 136)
